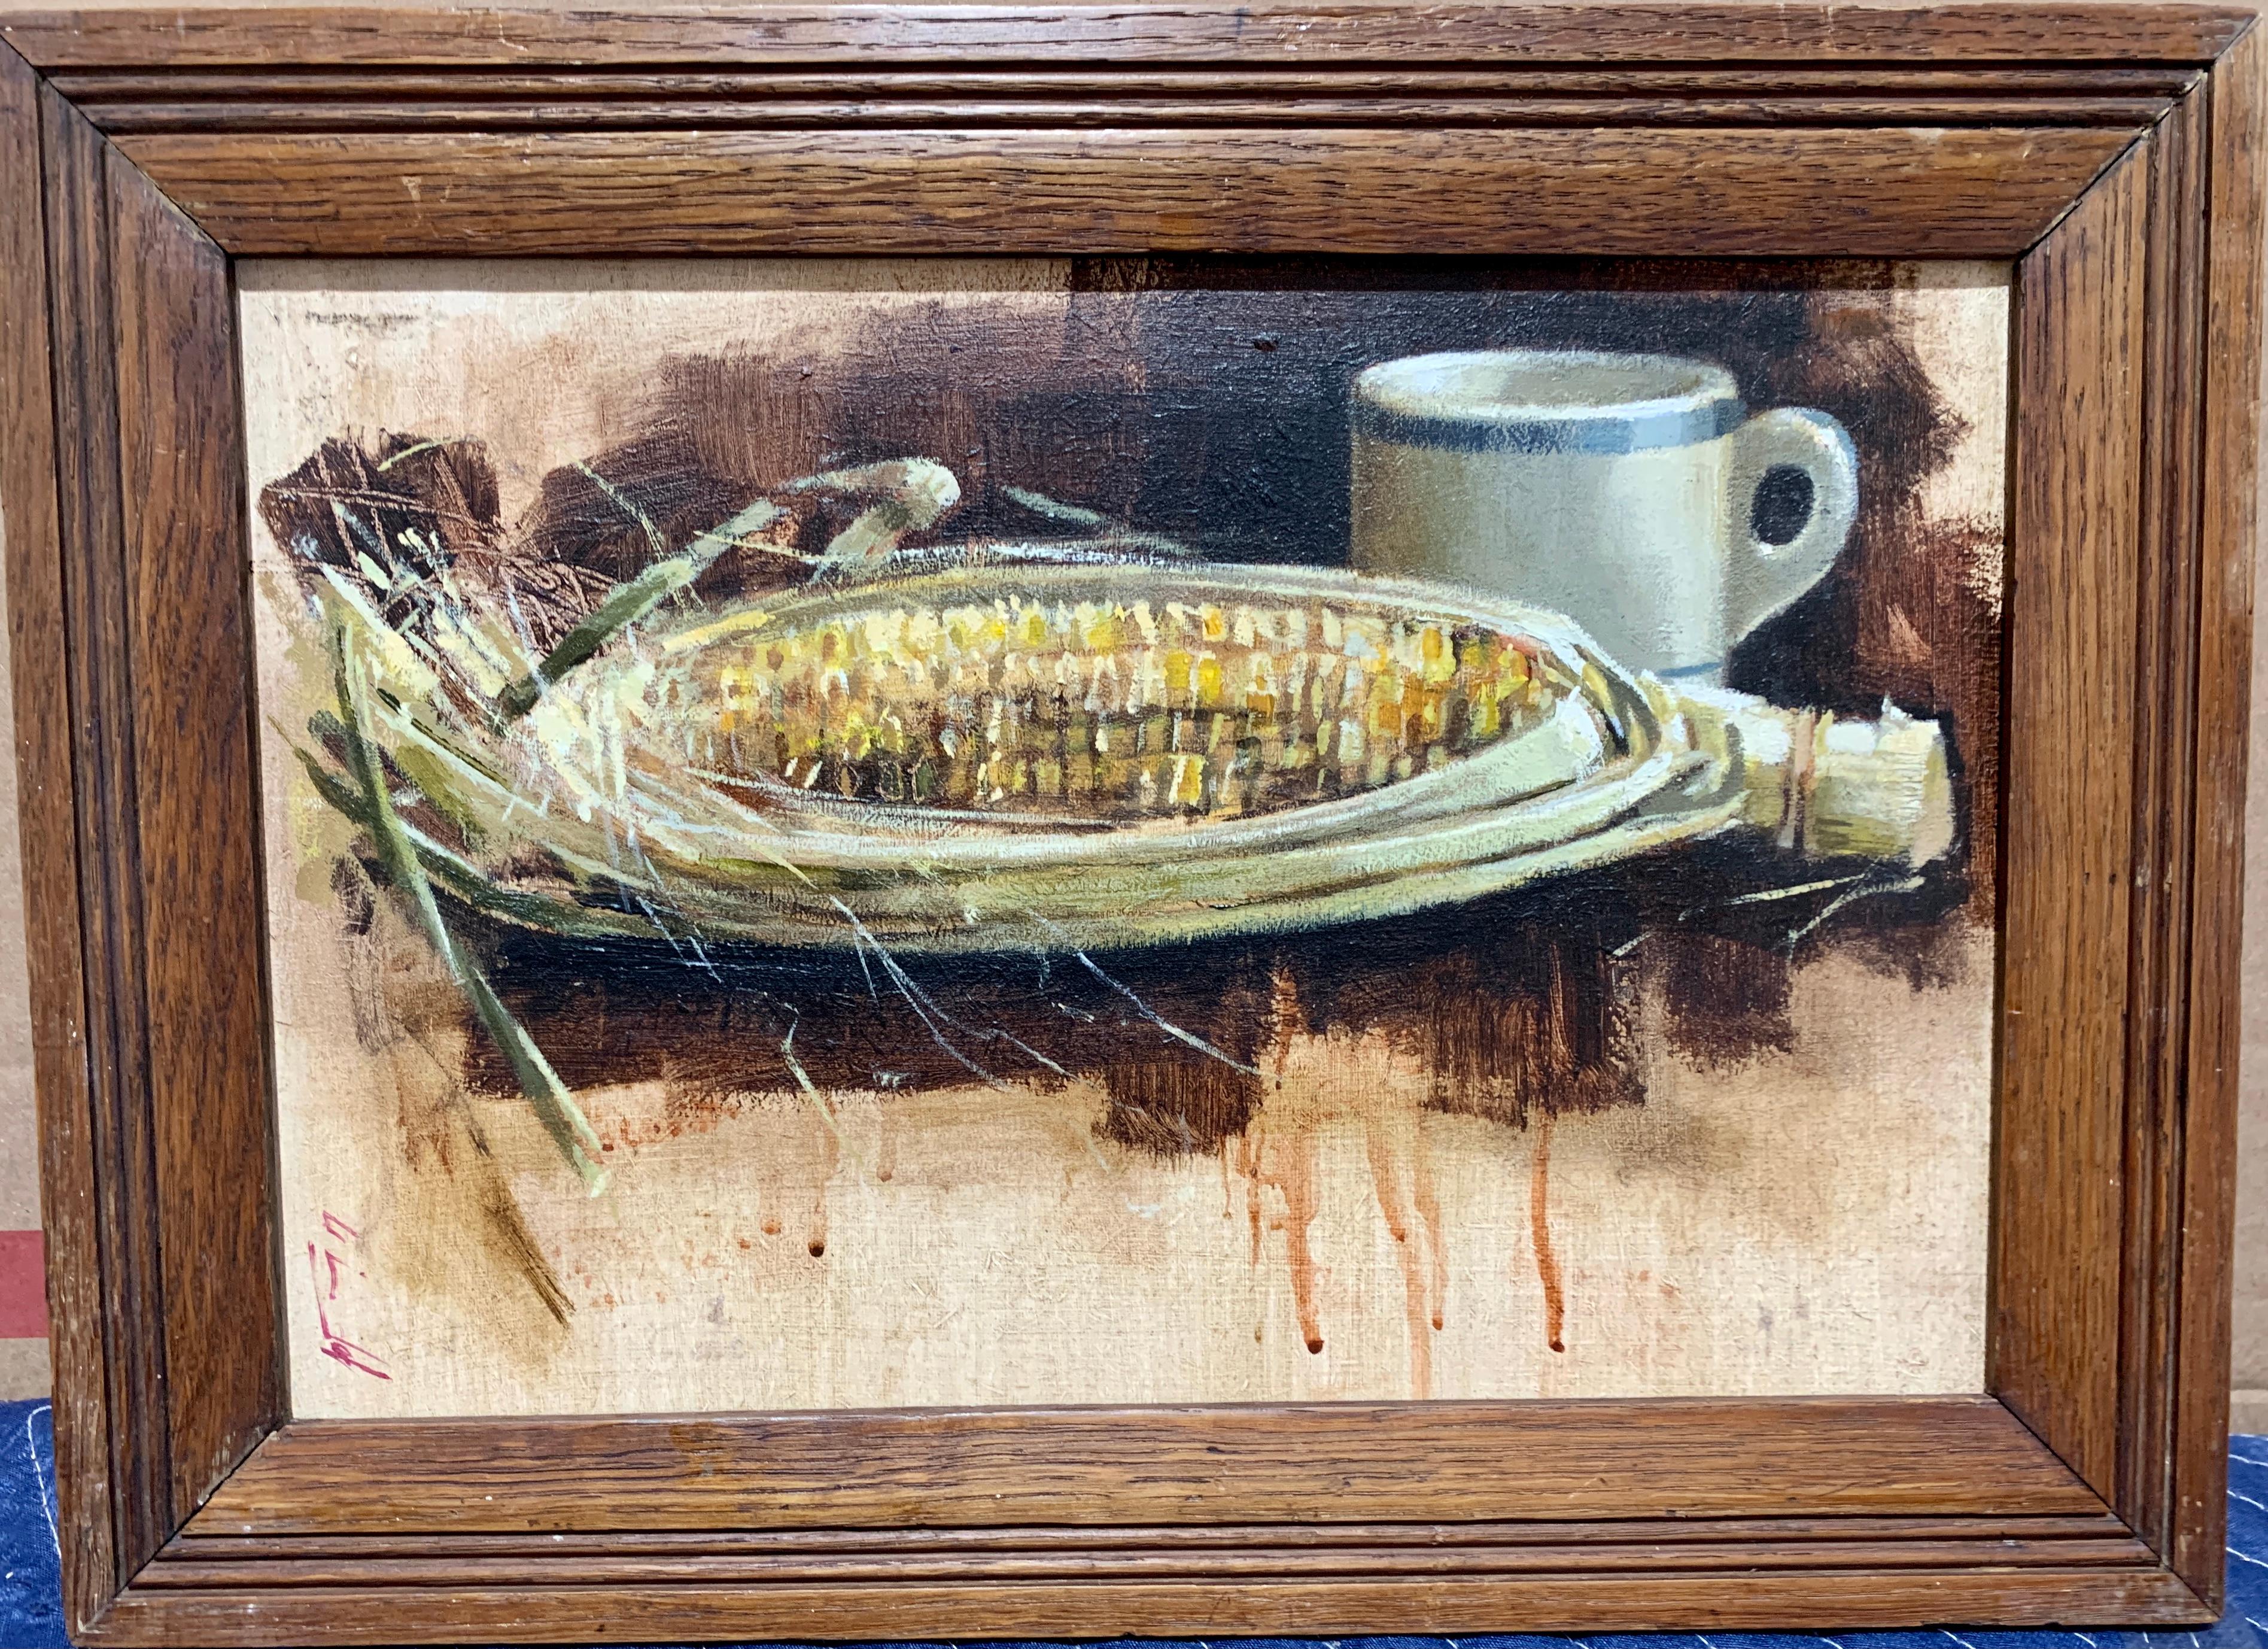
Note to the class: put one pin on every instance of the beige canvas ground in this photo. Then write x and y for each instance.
(1809, 1219)
(1815, 1226)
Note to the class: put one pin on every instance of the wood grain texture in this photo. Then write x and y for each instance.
(378, 99)
(1435, 114)
(1327, 1463)
(2198, 1376)
(1650, 128)
(98, 679)
(152, 661)
(1858, 192)
(30, 532)
(2068, 845)
(96, 91)
(1360, 31)
(192, 1554)
(185, 567)
(1826, 1599)
(193, 1571)
(2166, 703)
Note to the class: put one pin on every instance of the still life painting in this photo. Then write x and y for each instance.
(847, 834)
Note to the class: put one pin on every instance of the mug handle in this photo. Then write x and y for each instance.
(1767, 577)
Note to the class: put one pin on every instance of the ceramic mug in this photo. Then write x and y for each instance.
(1618, 490)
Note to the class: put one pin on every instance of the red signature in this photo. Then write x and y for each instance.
(325, 1266)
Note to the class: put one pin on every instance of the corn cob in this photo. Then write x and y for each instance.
(1100, 711)
(732, 774)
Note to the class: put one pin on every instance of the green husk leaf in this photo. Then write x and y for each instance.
(555, 1103)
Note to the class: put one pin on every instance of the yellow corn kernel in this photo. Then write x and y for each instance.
(1187, 789)
(1208, 683)
(1179, 669)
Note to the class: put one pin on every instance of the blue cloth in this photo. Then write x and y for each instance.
(31, 1579)
(31, 1602)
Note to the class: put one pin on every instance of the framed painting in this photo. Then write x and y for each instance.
(854, 821)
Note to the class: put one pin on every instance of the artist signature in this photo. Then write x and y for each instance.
(328, 1263)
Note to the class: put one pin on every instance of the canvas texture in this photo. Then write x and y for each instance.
(922, 833)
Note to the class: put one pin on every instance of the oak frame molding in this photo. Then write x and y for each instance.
(2112, 149)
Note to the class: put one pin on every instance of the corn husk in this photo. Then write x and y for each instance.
(1079, 756)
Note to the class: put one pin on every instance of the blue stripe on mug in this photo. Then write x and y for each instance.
(1604, 433)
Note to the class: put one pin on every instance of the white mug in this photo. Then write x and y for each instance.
(1618, 490)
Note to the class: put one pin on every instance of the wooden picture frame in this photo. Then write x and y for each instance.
(2112, 149)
